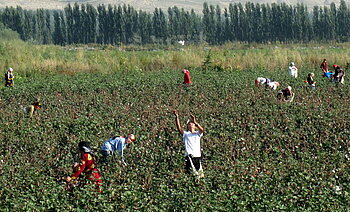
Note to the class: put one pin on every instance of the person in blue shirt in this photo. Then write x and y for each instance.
(115, 145)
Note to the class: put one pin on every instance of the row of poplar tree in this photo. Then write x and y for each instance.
(82, 24)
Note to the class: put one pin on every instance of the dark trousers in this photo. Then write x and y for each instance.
(196, 163)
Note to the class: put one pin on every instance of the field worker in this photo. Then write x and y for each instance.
(339, 74)
(310, 80)
(293, 70)
(86, 169)
(33, 108)
(324, 66)
(9, 78)
(192, 142)
(262, 81)
(273, 85)
(187, 77)
(116, 144)
(286, 94)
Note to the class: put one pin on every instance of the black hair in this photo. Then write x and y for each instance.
(83, 144)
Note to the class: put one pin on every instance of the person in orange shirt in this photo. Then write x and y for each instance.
(86, 168)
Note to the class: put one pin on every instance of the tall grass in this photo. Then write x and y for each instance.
(28, 58)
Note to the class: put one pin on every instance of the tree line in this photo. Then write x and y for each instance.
(122, 24)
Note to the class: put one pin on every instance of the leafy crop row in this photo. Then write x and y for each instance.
(258, 154)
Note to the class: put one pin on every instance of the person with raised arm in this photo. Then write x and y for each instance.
(192, 142)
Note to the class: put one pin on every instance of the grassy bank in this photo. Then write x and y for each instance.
(27, 58)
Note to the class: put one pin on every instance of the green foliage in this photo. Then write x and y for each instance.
(7, 34)
(258, 153)
(124, 25)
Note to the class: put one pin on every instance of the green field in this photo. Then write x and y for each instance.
(258, 154)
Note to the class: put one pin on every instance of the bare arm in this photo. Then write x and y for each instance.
(201, 130)
(177, 121)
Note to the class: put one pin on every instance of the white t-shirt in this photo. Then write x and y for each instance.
(293, 71)
(192, 143)
(272, 85)
(262, 80)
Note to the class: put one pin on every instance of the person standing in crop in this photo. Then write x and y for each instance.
(192, 142)
(116, 144)
(187, 78)
(9, 78)
(293, 70)
(324, 66)
(86, 168)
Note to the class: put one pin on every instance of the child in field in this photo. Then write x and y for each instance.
(192, 142)
(116, 144)
(285, 95)
(9, 78)
(86, 168)
(187, 78)
(310, 80)
(293, 70)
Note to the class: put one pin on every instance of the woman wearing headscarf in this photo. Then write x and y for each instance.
(86, 169)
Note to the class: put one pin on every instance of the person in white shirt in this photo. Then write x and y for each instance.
(273, 85)
(192, 142)
(267, 82)
(262, 81)
(293, 70)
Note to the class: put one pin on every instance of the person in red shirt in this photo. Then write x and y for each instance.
(324, 65)
(187, 77)
(86, 168)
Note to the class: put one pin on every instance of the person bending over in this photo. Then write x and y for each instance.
(86, 169)
(116, 144)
